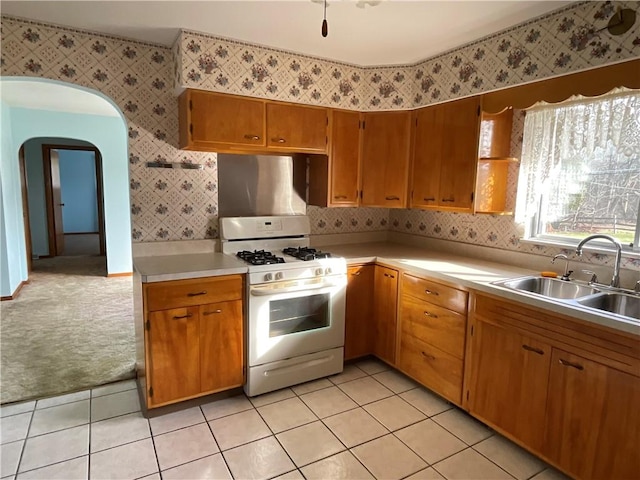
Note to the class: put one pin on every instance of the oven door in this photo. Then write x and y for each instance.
(289, 319)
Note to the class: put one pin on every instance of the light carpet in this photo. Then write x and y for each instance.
(69, 329)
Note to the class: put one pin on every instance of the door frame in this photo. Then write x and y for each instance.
(25, 209)
(46, 160)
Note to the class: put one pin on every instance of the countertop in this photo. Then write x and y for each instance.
(468, 272)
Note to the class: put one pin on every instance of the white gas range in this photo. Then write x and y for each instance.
(295, 304)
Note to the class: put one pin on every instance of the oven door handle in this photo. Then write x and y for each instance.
(262, 292)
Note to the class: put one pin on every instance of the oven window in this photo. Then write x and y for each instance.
(298, 314)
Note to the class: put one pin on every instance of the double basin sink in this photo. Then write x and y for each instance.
(604, 299)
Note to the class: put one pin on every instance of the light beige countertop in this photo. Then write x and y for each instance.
(180, 267)
(471, 273)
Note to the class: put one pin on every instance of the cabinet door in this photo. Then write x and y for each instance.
(460, 154)
(359, 320)
(593, 419)
(294, 127)
(385, 159)
(429, 139)
(174, 353)
(225, 119)
(345, 155)
(385, 295)
(508, 386)
(221, 340)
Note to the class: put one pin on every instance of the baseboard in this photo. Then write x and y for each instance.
(82, 233)
(122, 274)
(15, 293)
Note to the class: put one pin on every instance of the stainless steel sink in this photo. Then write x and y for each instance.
(549, 287)
(614, 302)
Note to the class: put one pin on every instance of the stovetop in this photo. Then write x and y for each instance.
(264, 257)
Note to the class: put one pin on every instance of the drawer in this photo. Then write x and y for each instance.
(435, 369)
(438, 326)
(434, 292)
(196, 291)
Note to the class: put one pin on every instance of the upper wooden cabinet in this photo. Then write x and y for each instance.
(445, 154)
(227, 123)
(297, 128)
(210, 119)
(385, 159)
(345, 156)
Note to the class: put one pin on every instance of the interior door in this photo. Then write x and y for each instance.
(56, 193)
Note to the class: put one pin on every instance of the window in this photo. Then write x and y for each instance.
(580, 170)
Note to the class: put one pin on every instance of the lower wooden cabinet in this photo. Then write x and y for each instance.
(432, 326)
(592, 424)
(193, 338)
(566, 391)
(509, 374)
(359, 319)
(385, 305)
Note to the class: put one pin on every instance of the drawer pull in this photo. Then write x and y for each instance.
(278, 140)
(429, 199)
(392, 197)
(248, 136)
(179, 317)
(340, 197)
(195, 294)
(212, 312)
(450, 199)
(432, 315)
(389, 275)
(431, 292)
(533, 349)
(426, 355)
(356, 273)
(566, 363)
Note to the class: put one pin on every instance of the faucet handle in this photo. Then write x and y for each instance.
(594, 277)
(637, 287)
(567, 275)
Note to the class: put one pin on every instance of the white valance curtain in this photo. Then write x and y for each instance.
(559, 137)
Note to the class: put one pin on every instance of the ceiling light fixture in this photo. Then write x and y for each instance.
(325, 26)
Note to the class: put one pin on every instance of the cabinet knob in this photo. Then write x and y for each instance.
(427, 355)
(195, 294)
(432, 315)
(248, 136)
(212, 312)
(567, 363)
(431, 292)
(430, 199)
(178, 317)
(450, 199)
(278, 140)
(340, 197)
(392, 197)
(356, 273)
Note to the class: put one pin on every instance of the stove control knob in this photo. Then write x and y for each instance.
(319, 272)
(279, 276)
(328, 271)
(268, 277)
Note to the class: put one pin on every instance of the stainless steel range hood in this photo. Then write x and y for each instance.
(261, 185)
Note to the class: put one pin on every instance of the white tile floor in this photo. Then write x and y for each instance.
(367, 422)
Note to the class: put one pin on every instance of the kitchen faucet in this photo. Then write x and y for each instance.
(615, 279)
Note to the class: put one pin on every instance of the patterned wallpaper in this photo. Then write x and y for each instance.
(183, 204)
(563, 41)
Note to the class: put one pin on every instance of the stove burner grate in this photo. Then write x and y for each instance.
(259, 257)
(305, 253)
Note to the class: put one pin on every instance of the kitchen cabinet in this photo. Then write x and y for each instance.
(431, 347)
(567, 391)
(509, 381)
(334, 180)
(494, 163)
(592, 425)
(193, 338)
(233, 124)
(445, 155)
(385, 297)
(297, 128)
(359, 314)
(214, 120)
(385, 159)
